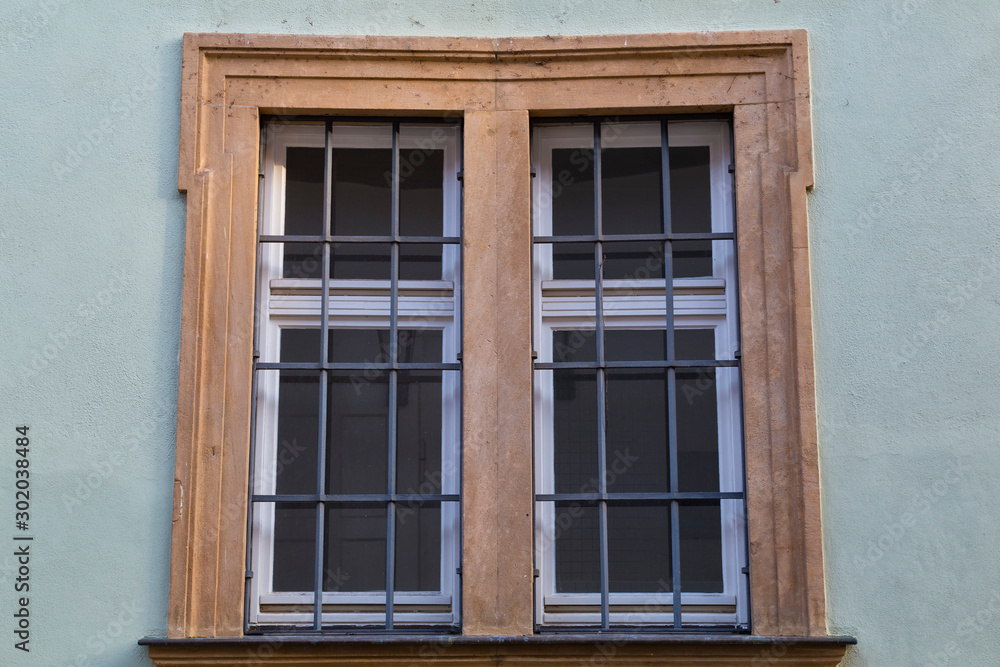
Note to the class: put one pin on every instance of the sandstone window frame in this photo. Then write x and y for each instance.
(761, 77)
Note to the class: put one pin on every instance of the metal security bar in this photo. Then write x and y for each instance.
(322, 500)
(674, 497)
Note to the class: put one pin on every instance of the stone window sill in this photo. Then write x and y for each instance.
(550, 649)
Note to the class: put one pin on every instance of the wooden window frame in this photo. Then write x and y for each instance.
(230, 80)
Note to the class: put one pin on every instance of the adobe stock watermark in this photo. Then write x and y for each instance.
(30, 26)
(955, 301)
(894, 530)
(57, 342)
(883, 204)
(621, 462)
(88, 140)
(986, 617)
(112, 634)
(101, 470)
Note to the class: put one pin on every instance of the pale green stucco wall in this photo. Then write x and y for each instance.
(902, 218)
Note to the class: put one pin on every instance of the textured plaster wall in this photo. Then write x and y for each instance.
(903, 225)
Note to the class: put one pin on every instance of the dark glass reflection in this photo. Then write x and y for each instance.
(633, 260)
(357, 432)
(421, 211)
(694, 344)
(631, 190)
(636, 406)
(635, 344)
(639, 548)
(362, 192)
(354, 557)
(302, 260)
(692, 259)
(360, 261)
(701, 548)
(418, 436)
(298, 414)
(575, 413)
(691, 208)
(294, 547)
(578, 548)
(697, 413)
(418, 547)
(573, 211)
(304, 191)
(420, 261)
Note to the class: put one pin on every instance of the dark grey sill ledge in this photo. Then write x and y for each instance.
(551, 638)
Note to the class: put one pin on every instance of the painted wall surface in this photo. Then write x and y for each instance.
(906, 285)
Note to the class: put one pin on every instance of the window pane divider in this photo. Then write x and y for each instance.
(324, 342)
(353, 498)
(650, 363)
(359, 366)
(602, 445)
(592, 238)
(328, 238)
(679, 496)
(390, 542)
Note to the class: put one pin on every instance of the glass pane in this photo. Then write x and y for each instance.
(572, 191)
(362, 192)
(637, 458)
(631, 190)
(691, 208)
(573, 261)
(298, 432)
(298, 414)
(701, 548)
(304, 191)
(418, 547)
(302, 260)
(694, 344)
(692, 259)
(633, 260)
(300, 345)
(354, 554)
(360, 261)
(576, 345)
(573, 212)
(357, 432)
(370, 346)
(421, 192)
(420, 261)
(418, 436)
(294, 547)
(578, 548)
(575, 431)
(690, 189)
(697, 430)
(639, 548)
(420, 345)
(635, 345)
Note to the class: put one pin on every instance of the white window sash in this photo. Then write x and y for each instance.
(294, 303)
(638, 303)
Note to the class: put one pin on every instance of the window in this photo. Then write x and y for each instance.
(355, 519)
(233, 84)
(637, 444)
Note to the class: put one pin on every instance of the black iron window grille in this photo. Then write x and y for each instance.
(640, 501)
(355, 461)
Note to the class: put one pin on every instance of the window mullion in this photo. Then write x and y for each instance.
(602, 478)
(324, 344)
(390, 543)
(668, 282)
